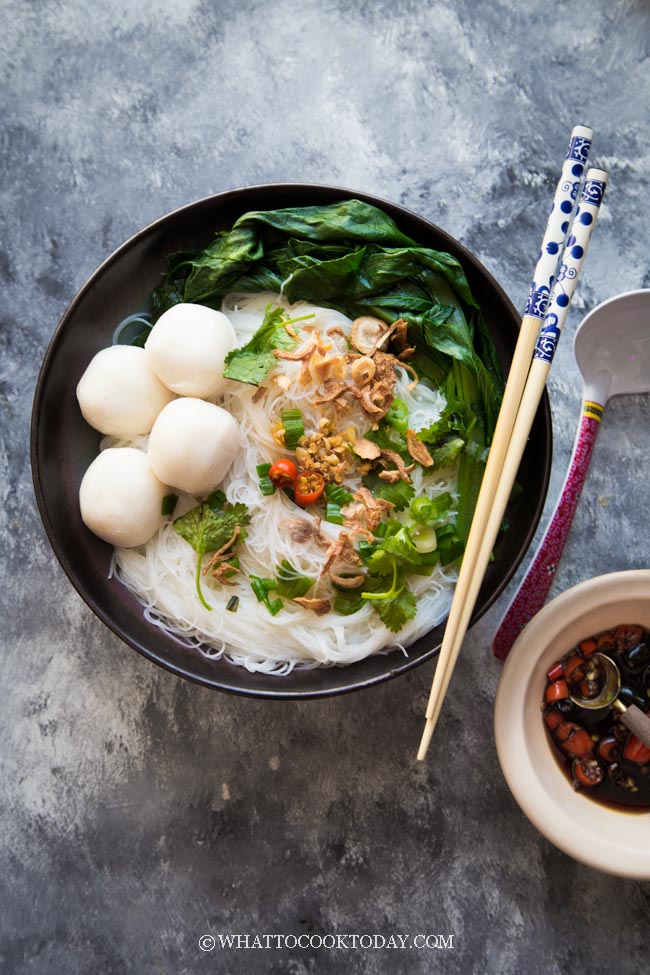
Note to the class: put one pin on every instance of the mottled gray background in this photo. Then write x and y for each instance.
(140, 812)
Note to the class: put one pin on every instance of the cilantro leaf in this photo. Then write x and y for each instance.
(252, 363)
(396, 612)
(388, 437)
(401, 493)
(400, 544)
(395, 605)
(348, 602)
(207, 530)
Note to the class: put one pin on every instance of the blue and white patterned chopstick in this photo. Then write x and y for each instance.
(574, 255)
(557, 227)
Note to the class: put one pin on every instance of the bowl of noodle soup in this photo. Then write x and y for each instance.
(296, 653)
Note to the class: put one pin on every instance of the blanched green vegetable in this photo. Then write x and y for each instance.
(350, 256)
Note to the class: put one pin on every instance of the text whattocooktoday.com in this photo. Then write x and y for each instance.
(209, 942)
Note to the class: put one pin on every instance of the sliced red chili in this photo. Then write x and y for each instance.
(553, 719)
(588, 771)
(556, 691)
(609, 749)
(578, 742)
(283, 473)
(635, 751)
(556, 671)
(587, 647)
(309, 488)
(626, 637)
(574, 669)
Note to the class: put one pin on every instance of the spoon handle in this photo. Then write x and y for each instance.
(533, 591)
(638, 723)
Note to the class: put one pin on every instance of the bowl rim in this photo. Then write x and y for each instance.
(402, 664)
(519, 730)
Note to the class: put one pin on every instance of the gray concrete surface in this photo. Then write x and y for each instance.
(139, 812)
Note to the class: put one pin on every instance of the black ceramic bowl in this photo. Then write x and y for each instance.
(63, 445)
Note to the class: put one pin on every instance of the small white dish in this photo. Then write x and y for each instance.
(595, 834)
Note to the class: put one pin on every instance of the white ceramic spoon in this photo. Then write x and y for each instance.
(612, 348)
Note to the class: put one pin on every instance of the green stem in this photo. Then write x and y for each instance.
(392, 592)
(198, 583)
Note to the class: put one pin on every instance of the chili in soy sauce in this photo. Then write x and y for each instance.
(601, 757)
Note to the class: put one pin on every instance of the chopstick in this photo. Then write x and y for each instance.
(577, 245)
(487, 515)
(555, 235)
(487, 530)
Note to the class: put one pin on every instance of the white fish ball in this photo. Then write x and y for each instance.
(187, 347)
(192, 445)
(119, 394)
(121, 498)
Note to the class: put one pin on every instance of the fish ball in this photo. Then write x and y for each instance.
(187, 347)
(192, 445)
(119, 394)
(121, 498)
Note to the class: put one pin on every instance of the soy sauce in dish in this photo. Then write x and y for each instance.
(602, 759)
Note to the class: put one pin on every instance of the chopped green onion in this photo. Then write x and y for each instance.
(266, 484)
(216, 500)
(398, 416)
(232, 604)
(261, 589)
(366, 549)
(424, 538)
(333, 513)
(337, 497)
(169, 502)
(293, 426)
(427, 511)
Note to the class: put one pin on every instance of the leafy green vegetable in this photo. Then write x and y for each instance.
(208, 531)
(400, 493)
(395, 604)
(387, 437)
(450, 546)
(350, 256)
(251, 363)
(349, 601)
(400, 544)
(291, 583)
(396, 612)
(459, 436)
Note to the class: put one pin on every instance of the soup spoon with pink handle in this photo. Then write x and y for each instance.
(612, 348)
